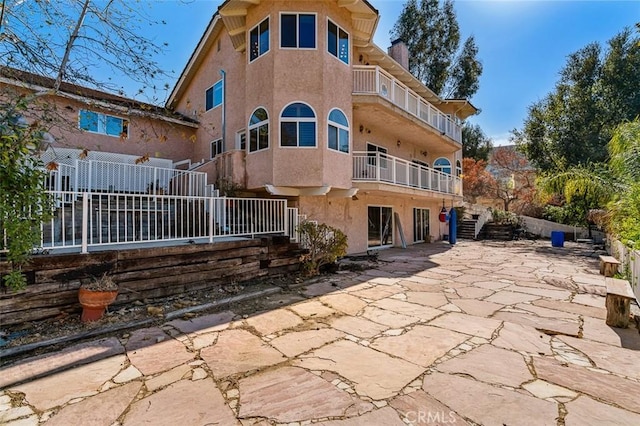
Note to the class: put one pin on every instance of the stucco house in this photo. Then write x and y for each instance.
(292, 100)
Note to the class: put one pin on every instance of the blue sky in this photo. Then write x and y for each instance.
(522, 44)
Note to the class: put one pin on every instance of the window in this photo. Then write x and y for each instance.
(258, 130)
(214, 96)
(216, 148)
(338, 131)
(338, 42)
(442, 165)
(298, 31)
(373, 151)
(259, 40)
(298, 126)
(458, 168)
(241, 140)
(104, 124)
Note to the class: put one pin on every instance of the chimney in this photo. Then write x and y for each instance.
(400, 53)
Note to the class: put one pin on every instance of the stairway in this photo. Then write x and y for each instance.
(467, 230)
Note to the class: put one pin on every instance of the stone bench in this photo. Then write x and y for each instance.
(619, 296)
(608, 266)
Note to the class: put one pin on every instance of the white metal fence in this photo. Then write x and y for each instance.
(376, 166)
(375, 80)
(110, 177)
(630, 263)
(293, 220)
(103, 219)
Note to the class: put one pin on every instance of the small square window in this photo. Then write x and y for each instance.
(214, 96)
(298, 30)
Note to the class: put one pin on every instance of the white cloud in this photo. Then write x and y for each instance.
(501, 139)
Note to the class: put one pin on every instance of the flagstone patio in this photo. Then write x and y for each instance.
(491, 333)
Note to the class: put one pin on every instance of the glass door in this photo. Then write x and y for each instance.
(380, 226)
(420, 225)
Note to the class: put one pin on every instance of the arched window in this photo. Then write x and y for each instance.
(298, 126)
(458, 168)
(338, 131)
(259, 130)
(443, 165)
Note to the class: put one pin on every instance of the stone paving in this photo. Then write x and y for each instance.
(479, 333)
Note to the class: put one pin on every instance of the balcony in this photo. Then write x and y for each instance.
(373, 80)
(383, 168)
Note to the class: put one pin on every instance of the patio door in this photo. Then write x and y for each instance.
(420, 225)
(380, 228)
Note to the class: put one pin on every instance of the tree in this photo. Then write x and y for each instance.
(596, 91)
(432, 35)
(514, 178)
(614, 185)
(78, 40)
(475, 144)
(70, 41)
(476, 180)
(24, 204)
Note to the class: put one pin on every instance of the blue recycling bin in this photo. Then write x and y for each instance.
(557, 239)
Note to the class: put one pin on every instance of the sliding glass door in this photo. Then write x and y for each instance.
(380, 226)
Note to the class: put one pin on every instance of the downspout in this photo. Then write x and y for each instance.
(223, 74)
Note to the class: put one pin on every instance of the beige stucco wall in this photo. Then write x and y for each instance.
(146, 136)
(273, 81)
(220, 56)
(350, 216)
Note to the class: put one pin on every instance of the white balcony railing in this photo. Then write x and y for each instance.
(113, 177)
(100, 220)
(378, 167)
(375, 80)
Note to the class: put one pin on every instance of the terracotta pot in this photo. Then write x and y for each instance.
(94, 303)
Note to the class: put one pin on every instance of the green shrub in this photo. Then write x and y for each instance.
(325, 244)
(501, 217)
(24, 202)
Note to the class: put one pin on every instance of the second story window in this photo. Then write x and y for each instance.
(338, 131)
(259, 40)
(298, 126)
(105, 124)
(259, 130)
(442, 165)
(338, 42)
(213, 96)
(298, 30)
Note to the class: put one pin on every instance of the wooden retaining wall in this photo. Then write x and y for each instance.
(144, 273)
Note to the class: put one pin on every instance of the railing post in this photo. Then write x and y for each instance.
(393, 171)
(85, 223)
(286, 220)
(407, 173)
(89, 175)
(211, 222)
(377, 71)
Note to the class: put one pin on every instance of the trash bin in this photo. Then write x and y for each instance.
(557, 239)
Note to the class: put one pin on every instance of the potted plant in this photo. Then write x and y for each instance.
(95, 296)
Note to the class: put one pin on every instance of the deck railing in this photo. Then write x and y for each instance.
(113, 177)
(369, 79)
(378, 167)
(94, 220)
